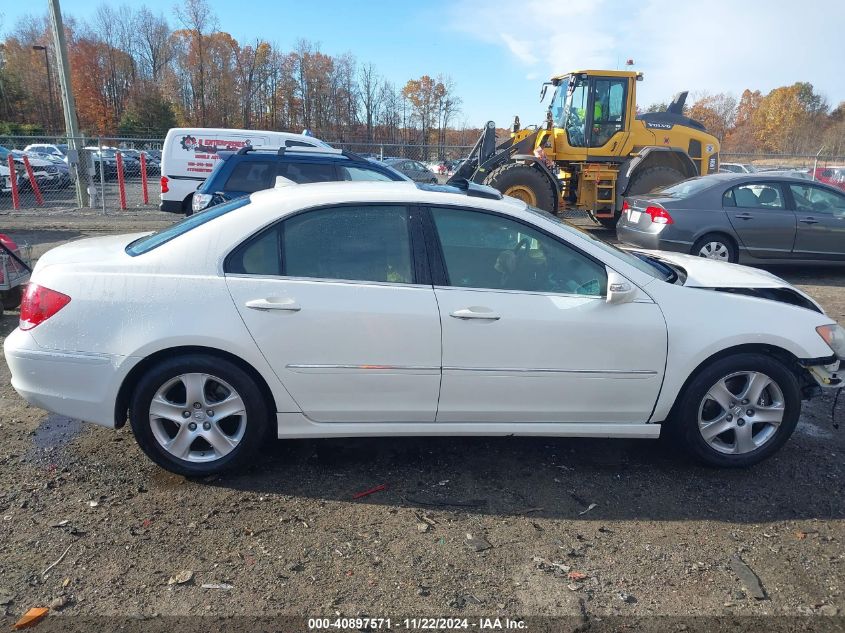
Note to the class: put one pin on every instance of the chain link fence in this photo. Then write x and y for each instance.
(119, 174)
(59, 173)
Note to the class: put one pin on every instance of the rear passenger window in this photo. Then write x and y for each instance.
(251, 176)
(758, 196)
(362, 173)
(302, 173)
(728, 199)
(366, 243)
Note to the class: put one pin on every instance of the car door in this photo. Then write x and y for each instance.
(527, 333)
(758, 212)
(340, 304)
(821, 222)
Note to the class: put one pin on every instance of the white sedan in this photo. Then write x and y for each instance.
(374, 309)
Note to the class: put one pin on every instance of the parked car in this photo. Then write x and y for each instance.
(251, 170)
(732, 217)
(51, 149)
(190, 154)
(737, 168)
(834, 176)
(46, 174)
(6, 177)
(60, 180)
(375, 308)
(14, 271)
(153, 163)
(103, 161)
(414, 170)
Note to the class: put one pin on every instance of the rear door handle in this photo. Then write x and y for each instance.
(809, 220)
(476, 313)
(274, 303)
(744, 216)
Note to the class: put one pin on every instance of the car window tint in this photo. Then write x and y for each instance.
(728, 198)
(260, 255)
(362, 173)
(758, 196)
(302, 173)
(250, 176)
(810, 199)
(365, 243)
(482, 250)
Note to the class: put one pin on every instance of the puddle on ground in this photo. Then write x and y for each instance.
(55, 431)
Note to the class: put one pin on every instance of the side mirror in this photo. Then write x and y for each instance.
(619, 289)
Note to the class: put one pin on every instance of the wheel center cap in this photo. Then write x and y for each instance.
(737, 411)
(199, 416)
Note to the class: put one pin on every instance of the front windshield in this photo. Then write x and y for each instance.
(569, 107)
(643, 264)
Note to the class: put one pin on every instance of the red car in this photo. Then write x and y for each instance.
(834, 176)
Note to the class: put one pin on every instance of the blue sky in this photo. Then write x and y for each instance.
(498, 52)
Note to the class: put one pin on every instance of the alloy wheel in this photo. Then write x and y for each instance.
(715, 250)
(741, 412)
(197, 417)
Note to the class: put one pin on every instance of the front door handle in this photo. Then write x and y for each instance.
(744, 216)
(809, 220)
(476, 313)
(274, 303)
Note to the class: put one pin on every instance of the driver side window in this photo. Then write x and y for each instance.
(482, 250)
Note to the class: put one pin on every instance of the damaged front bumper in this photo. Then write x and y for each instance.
(825, 371)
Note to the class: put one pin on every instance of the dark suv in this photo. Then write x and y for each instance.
(250, 170)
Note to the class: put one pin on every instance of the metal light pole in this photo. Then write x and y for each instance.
(67, 99)
(38, 47)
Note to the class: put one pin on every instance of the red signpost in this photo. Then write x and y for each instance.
(13, 175)
(144, 179)
(39, 199)
(121, 182)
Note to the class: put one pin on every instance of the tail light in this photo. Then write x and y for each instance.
(626, 208)
(164, 187)
(659, 215)
(39, 303)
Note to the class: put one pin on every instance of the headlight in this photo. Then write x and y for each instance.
(200, 201)
(834, 336)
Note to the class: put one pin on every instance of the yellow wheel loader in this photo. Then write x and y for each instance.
(593, 149)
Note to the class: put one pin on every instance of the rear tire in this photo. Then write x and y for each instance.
(760, 404)
(221, 434)
(525, 183)
(716, 246)
(650, 179)
(12, 298)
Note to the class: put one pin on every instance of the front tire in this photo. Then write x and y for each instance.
(524, 183)
(738, 410)
(198, 415)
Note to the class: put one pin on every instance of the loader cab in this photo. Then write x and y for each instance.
(591, 114)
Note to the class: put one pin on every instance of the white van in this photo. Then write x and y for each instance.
(190, 154)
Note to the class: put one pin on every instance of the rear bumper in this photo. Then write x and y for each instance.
(650, 241)
(74, 384)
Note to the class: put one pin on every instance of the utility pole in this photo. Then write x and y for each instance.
(68, 102)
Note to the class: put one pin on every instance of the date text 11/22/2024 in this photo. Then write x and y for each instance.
(422, 623)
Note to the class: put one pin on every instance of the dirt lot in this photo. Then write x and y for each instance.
(509, 527)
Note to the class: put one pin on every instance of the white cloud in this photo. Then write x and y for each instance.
(718, 46)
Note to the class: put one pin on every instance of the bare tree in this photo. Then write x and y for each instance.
(197, 18)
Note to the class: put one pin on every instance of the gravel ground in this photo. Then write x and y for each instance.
(514, 527)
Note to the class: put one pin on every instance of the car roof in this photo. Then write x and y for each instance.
(401, 192)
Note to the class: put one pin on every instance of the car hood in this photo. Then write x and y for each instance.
(100, 250)
(709, 273)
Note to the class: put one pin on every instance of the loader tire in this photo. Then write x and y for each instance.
(650, 179)
(525, 183)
